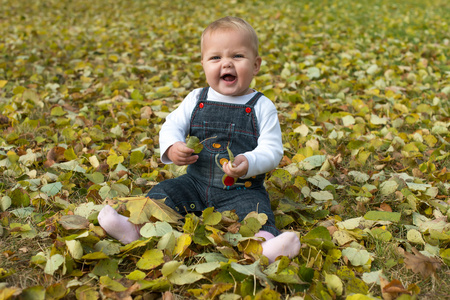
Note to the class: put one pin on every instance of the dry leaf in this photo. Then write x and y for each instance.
(391, 290)
(385, 207)
(421, 264)
(55, 155)
(167, 296)
(146, 112)
(74, 222)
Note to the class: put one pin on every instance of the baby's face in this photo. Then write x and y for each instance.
(229, 61)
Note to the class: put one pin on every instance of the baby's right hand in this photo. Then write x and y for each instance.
(181, 155)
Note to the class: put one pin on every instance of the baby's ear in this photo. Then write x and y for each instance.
(257, 65)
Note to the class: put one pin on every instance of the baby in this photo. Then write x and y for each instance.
(226, 115)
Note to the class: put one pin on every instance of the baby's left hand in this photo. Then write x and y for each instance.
(239, 169)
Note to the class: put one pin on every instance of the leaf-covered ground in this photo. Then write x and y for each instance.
(362, 89)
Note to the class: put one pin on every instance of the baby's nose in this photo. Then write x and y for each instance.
(227, 64)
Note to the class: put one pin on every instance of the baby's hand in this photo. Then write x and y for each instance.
(181, 155)
(239, 169)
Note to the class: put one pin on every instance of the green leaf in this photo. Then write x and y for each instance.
(56, 291)
(210, 217)
(107, 247)
(95, 177)
(334, 284)
(19, 198)
(136, 275)
(52, 189)
(383, 216)
(206, 267)
(112, 284)
(231, 156)
(170, 267)
(183, 276)
(322, 196)
(319, 181)
(86, 292)
(388, 187)
(57, 111)
(95, 256)
(136, 157)
(75, 249)
(156, 229)
(318, 237)
(5, 203)
(33, 293)
(381, 234)
(72, 165)
(194, 143)
(357, 257)
(69, 154)
(53, 264)
(107, 267)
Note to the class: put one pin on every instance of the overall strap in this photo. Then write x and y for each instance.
(254, 99)
(203, 94)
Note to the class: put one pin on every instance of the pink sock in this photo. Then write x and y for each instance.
(265, 234)
(117, 225)
(286, 244)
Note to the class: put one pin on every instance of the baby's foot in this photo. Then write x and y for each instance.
(117, 225)
(286, 244)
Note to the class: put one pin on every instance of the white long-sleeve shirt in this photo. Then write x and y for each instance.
(264, 158)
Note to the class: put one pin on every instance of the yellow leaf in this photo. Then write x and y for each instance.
(143, 208)
(334, 283)
(114, 159)
(3, 83)
(250, 247)
(298, 158)
(182, 243)
(151, 259)
(414, 236)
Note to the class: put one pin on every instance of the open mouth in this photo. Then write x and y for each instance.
(228, 77)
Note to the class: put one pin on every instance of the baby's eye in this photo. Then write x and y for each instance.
(239, 56)
(215, 57)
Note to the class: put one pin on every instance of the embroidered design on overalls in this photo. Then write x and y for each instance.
(236, 128)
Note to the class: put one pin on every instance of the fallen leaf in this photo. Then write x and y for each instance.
(74, 222)
(391, 290)
(421, 264)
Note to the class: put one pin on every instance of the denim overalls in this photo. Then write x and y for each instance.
(219, 125)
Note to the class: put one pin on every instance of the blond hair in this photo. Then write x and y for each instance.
(232, 23)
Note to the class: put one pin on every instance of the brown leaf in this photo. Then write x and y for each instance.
(125, 295)
(391, 290)
(285, 161)
(167, 296)
(74, 222)
(337, 209)
(361, 207)
(146, 112)
(234, 228)
(3, 120)
(385, 207)
(421, 264)
(332, 229)
(55, 155)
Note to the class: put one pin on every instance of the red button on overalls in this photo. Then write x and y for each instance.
(248, 110)
(201, 105)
